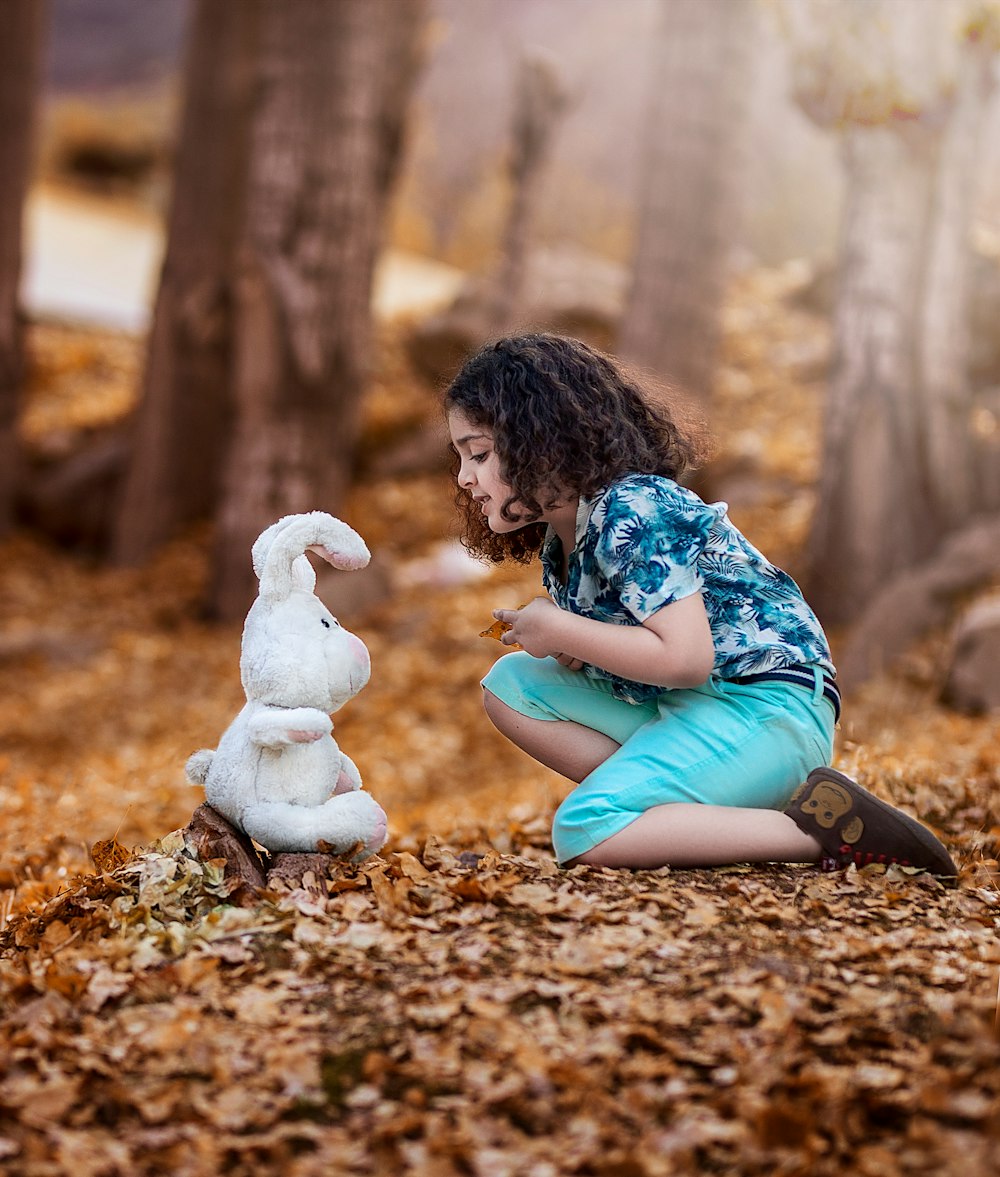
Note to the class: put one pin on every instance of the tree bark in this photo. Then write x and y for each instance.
(540, 99)
(324, 136)
(21, 36)
(915, 601)
(897, 473)
(872, 507)
(182, 424)
(686, 221)
(949, 448)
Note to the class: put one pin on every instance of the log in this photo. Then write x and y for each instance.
(252, 870)
(972, 680)
(211, 836)
(72, 498)
(566, 289)
(920, 599)
(289, 871)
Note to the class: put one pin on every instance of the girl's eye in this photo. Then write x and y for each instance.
(477, 457)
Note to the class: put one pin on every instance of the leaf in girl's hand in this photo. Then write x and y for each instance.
(496, 630)
(499, 628)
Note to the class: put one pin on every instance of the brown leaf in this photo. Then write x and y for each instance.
(411, 867)
(109, 855)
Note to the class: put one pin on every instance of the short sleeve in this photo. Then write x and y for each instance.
(652, 534)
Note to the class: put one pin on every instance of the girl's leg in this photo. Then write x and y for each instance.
(680, 834)
(687, 834)
(712, 787)
(561, 718)
(702, 784)
(568, 748)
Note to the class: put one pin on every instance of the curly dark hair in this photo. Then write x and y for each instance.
(564, 417)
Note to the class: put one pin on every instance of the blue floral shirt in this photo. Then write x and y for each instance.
(644, 542)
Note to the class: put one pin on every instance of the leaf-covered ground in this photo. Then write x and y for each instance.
(459, 1005)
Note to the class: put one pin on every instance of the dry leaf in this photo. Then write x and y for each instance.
(499, 628)
(462, 1005)
(109, 855)
(496, 630)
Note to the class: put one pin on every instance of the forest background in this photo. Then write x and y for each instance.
(242, 247)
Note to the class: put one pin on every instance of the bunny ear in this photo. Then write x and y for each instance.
(279, 553)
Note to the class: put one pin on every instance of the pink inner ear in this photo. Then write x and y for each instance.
(338, 559)
(349, 563)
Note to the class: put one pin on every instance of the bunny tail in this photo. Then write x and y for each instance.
(198, 765)
(279, 548)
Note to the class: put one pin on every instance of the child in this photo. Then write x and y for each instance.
(672, 671)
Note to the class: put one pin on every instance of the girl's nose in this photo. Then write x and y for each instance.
(465, 479)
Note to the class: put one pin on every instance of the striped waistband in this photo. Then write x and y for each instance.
(802, 676)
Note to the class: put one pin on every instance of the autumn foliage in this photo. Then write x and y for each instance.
(459, 1005)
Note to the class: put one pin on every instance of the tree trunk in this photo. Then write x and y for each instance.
(21, 35)
(949, 449)
(672, 316)
(872, 508)
(182, 423)
(897, 471)
(540, 99)
(325, 130)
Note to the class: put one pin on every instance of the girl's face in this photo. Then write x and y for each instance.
(479, 470)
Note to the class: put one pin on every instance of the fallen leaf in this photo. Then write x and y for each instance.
(109, 855)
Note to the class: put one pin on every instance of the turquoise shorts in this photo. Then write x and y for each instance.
(724, 743)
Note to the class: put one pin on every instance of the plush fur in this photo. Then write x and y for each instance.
(278, 773)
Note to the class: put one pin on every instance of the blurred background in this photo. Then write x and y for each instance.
(243, 245)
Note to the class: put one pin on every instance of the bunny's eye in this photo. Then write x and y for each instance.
(325, 622)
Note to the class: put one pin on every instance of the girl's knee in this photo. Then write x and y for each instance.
(574, 826)
(514, 677)
(500, 715)
(509, 673)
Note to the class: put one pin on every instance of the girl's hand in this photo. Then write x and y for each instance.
(671, 648)
(533, 627)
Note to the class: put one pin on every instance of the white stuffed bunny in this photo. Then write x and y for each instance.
(277, 773)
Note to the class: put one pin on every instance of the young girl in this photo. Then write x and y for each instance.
(672, 671)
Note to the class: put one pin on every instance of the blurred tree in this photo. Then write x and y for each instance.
(324, 146)
(687, 217)
(183, 420)
(540, 99)
(21, 37)
(261, 340)
(906, 85)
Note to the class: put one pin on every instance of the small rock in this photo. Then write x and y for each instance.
(972, 684)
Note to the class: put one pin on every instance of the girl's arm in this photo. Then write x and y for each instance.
(672, 648)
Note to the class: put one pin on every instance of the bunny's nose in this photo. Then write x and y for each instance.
(359, 652)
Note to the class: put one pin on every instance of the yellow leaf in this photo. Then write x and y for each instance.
(496, 630)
